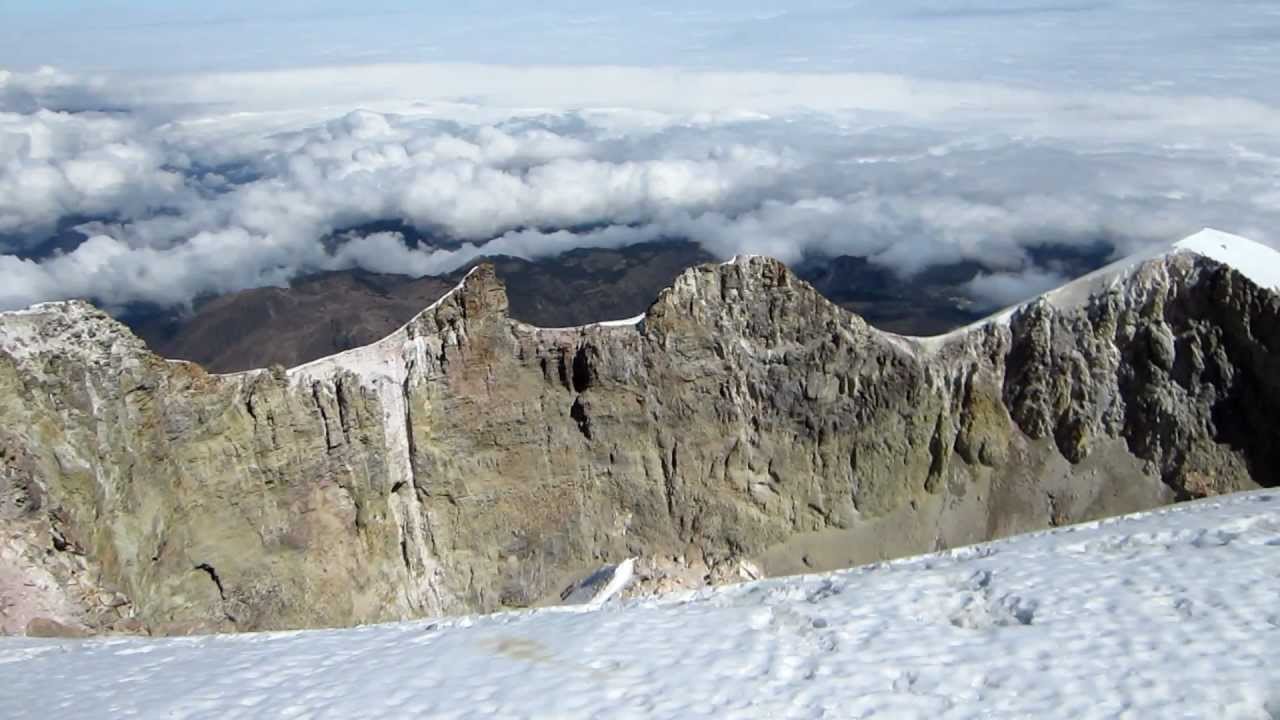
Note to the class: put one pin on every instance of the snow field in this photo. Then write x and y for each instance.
(1256, 261)
(1169, 614)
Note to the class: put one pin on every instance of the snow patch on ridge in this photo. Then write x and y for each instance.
(631, 322)
(622, 323)
(1256, 261)
(373, 358)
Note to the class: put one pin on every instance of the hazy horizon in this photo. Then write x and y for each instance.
(204, 150)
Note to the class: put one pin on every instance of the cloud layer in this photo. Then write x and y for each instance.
(215, 183)
(1151, 46)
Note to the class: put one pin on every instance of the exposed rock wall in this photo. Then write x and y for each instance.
(469, 462)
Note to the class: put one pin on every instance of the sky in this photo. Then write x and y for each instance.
(1116, 44)
(202, 149)
(1144, 45)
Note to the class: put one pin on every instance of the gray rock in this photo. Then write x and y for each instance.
(470, 462)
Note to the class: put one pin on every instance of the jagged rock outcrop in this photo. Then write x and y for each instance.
(469, 462)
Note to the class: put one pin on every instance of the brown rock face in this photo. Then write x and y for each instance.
(469, 462)
(46, 628)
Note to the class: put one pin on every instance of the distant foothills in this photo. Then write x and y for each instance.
(321, 314)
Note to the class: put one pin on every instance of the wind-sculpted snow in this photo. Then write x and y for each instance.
(1167, 614)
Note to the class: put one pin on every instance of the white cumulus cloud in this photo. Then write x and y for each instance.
(211, 183)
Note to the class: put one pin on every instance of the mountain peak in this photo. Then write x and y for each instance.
(1256, 261)
(746, 419)
(480, 293)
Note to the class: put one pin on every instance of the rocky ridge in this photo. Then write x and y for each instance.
(469, 462)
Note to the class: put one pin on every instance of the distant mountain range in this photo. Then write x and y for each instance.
(327, 313)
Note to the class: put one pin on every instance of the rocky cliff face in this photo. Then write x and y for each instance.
(469, 462)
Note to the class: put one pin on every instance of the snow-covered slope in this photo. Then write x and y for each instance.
(1167, 614)
(1260, 263)
(1256, 261)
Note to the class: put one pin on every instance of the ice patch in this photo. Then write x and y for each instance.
(601, 586)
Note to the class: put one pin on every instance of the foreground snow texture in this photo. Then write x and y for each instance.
(1167, 614)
